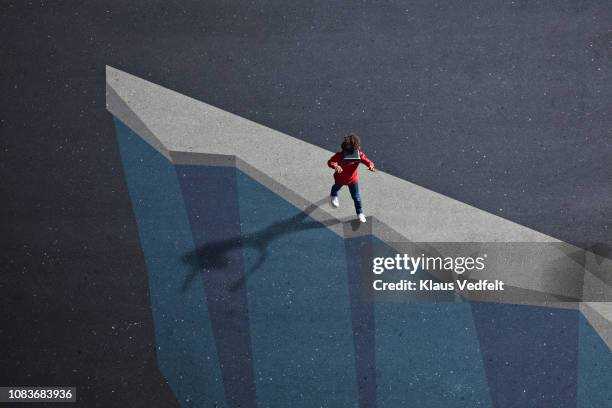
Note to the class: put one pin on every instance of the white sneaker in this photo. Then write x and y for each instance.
(335, 202)
(362, 217)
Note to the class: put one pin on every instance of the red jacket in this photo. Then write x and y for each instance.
(349, 174)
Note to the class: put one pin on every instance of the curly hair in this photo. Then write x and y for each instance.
(350, 142)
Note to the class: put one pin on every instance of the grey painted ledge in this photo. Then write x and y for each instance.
(187, 131)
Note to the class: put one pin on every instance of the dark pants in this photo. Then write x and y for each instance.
(354, 189)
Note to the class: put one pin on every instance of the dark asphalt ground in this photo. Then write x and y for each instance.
(504, 105)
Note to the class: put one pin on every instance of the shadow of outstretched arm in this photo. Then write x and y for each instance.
(214, 256)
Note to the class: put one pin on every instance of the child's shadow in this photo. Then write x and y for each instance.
(214, 255)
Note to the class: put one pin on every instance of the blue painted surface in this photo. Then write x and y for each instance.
(362, 313)
(427, 353)
(211, 200)
(427, 356)
(594, 369)
(298, 304)
(186, 352)
(251, 294)
(530, 354)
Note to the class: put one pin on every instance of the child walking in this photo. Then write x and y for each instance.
(345, 164)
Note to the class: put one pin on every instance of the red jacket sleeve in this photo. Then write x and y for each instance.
(365, 160)
(333, 161)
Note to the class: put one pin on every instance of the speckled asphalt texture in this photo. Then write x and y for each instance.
(503, 105)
